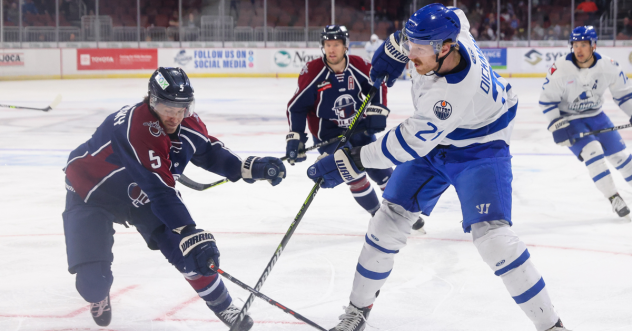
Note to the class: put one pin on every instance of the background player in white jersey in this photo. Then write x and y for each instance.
(571, 99)
(458, 135)
(372, 45)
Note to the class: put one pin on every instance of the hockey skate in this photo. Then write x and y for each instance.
(229, 315)
(354, 318)
(419, 225)
(102, 312)
(558, 327)
(619, 206)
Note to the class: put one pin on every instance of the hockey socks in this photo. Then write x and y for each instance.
(364, 194)
(212, 290)
(622, 161)
(509, 258)
(593, 156)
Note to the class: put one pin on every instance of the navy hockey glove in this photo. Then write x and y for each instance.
(343, 166)
(561, 130)
(263, 168)
(389, 60)
(375, 120)
(199, 250)
(295, 148)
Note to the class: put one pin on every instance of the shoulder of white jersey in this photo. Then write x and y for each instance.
(607, 63)
(561, 67)
(465, 23)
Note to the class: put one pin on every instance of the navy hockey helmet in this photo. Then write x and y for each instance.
(172, 88)
(586, 32)
(335, 32)
(431, 25)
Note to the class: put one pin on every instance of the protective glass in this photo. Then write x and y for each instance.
(172, 108)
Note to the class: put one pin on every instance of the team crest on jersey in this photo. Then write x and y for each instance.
(552, 69)
(155, 129)
(139, 198)
(614, 62)
(345, 108)
(442, 109)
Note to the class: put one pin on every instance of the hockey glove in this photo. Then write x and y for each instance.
(375, 120)
(295, 148)
(389, 60)
(561, 130)
(263, 168)
(343, 166)
(199, 250)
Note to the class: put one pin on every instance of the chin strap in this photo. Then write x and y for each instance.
(440, 60)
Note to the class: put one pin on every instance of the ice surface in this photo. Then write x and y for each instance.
(439, 282)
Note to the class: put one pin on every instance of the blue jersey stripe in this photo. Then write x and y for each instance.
(371, 274)
(530, 293)
(595, 159)
(625, 163)
(549, 103)
(601, 175)
(628, 179)
(499, 124)
(407, 148)
(386, 152)
(623, 98)
(515, 264)
(549, 109)
(378, 247)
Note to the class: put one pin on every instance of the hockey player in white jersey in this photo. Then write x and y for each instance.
(458, 135)
(571, 99)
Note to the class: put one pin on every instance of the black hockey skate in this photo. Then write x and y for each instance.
(102, 312)
(619, 206)
(559, 326)
(229, 315)
(354, 318)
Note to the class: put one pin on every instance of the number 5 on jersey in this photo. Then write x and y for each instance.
(154, 158)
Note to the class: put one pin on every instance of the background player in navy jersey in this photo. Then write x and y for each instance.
(458, 135)
(572, 99)
(330, 91)
(126, 173)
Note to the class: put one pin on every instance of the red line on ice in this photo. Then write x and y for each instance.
(74, 312)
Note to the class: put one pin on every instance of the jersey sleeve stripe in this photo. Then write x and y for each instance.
(550, 103)
(499, 124)
(196, 133)
(129, 126)
(75, 158)
(386, 152)
(101, 148)
(549, 109)
(623, 99)
(405, 146)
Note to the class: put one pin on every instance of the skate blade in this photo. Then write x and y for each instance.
(421, 231)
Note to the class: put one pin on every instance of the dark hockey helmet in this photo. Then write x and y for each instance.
(335, 32)
(171, 87)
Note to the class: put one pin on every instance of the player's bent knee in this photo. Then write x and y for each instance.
(622, 161)
(390, 226)
(592, 151)
(94, 280)
(499, 247)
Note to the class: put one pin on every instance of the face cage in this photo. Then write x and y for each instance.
(155, 101)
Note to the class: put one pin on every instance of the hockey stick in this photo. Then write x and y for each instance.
(51, 106)
(614, 128)
(374, 90)
(190, 183)
(265, 298)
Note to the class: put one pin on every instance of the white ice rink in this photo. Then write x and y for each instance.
(439, 282)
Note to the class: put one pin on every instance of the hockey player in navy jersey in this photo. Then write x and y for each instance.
(330, 91)
(571, 99)
(458, 135)
(126, 173)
